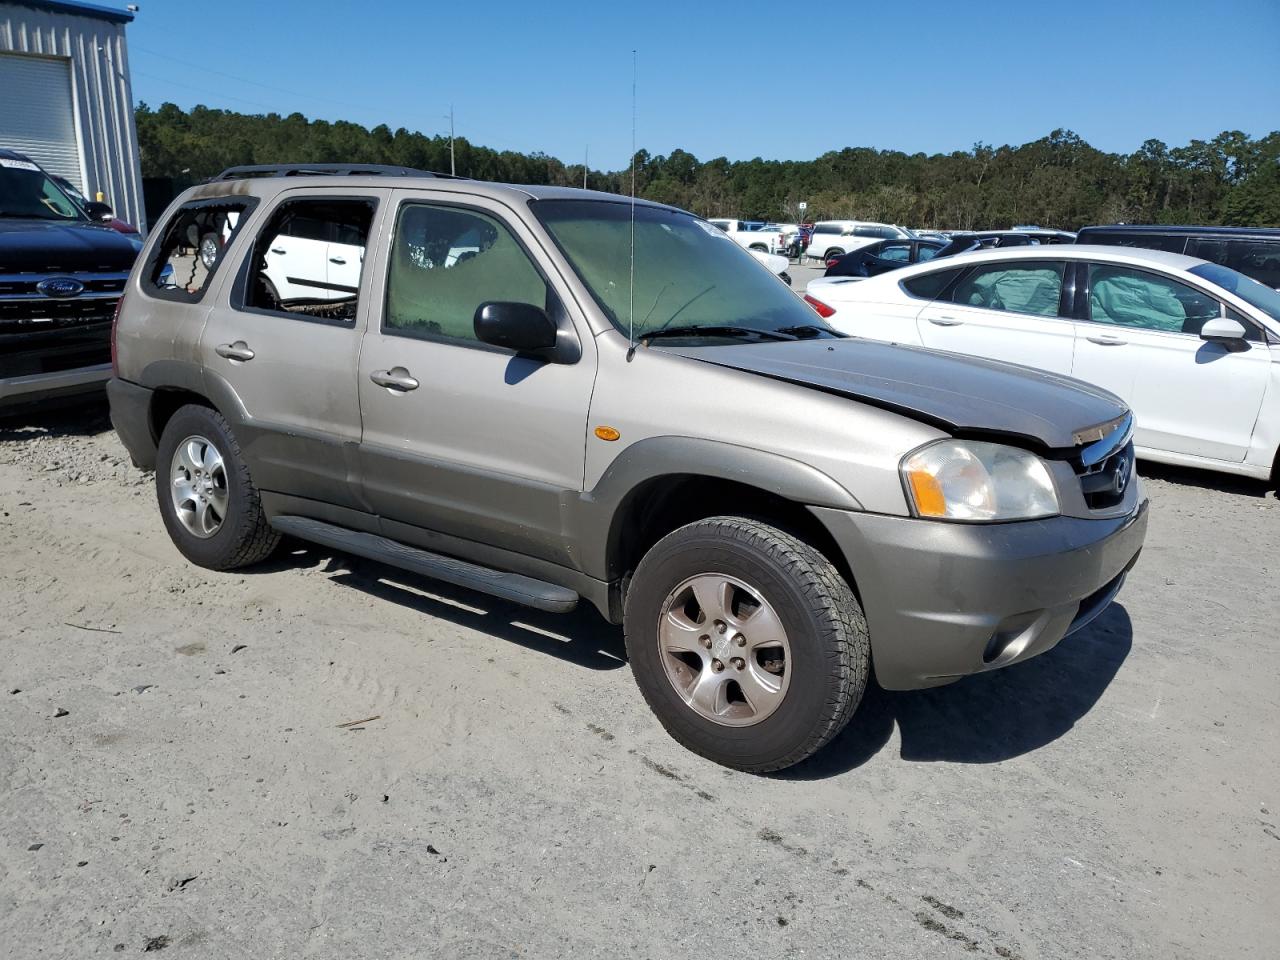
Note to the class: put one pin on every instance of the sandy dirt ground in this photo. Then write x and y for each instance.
(179, 770)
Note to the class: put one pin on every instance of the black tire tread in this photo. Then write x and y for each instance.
(253, 537)
(846, 641)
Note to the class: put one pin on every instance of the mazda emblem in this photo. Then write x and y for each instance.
(1122, 475)
(60, 288)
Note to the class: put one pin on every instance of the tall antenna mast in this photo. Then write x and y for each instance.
(453, 169)
(631, 318)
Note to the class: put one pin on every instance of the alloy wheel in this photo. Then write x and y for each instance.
(198, 486)
(724, 649)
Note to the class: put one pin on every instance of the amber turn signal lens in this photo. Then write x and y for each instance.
(607, 433)
(930, 501)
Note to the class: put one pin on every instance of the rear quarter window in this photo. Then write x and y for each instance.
(928, 286)
(192, 247)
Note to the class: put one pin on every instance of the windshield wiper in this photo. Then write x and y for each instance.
(806, 331)
(717, 330)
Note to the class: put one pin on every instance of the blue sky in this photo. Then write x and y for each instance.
(739, 79)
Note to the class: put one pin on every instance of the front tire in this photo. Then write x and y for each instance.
(207, 498)
(746, 642)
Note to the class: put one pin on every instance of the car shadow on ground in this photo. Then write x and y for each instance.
(982, 719)
(1207, 479)
(985, 718)
(72, 417)
(581, 637)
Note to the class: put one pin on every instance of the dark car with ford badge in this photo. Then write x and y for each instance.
(62, 271)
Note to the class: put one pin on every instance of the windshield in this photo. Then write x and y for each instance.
(25, 191)
(688, 273)
(1246, 288)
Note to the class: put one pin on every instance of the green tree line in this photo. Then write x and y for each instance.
(1056, 181)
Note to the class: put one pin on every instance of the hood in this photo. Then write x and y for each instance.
(960, 394)
(63, 246)
(778, 265)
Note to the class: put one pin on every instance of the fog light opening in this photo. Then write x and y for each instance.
(1010, 637)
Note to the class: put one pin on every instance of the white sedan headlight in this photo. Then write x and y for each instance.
(977, 481)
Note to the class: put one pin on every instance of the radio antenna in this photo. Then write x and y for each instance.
(631, 315)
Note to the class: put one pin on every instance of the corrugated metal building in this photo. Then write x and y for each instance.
(66, 100)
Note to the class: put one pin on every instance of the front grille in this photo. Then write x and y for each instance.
(1104, 484)
(23, 318)
(52, 351)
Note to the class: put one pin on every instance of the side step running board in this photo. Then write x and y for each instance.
(508, 586)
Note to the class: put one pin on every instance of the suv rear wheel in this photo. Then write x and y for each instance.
(207, 498)
(746, 642)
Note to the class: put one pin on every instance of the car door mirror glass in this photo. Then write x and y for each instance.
(522, 327)
(99, 211)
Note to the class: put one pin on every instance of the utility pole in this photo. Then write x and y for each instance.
(453, 168)
(586, 153)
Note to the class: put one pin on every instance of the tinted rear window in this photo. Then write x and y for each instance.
(1171, 243)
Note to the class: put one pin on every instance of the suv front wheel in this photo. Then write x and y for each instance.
(207, 498)
(746, 642)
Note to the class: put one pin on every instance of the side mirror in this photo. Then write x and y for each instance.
(1230, 333)
(517, 326)
(99, 211)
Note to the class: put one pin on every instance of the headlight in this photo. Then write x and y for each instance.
(975, 481)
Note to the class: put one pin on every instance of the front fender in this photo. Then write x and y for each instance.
(599, 514)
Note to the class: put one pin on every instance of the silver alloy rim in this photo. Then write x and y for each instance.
(198, 486)
(724, 649)
(208, 252)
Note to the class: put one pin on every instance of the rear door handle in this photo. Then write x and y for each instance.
(337, 260)
(397, 378)
(234, 351)
(277, 249)
(1107, 341)
(945, 321)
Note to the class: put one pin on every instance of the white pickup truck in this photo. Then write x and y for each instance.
(753, 236)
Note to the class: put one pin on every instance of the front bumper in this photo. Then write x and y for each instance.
(34, 388)
(945, 600)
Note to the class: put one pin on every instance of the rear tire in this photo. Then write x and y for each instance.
(757, 674)
(208, 501)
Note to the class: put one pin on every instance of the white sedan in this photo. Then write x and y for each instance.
(1192, 346)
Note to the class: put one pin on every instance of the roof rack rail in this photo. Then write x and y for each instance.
(325, 170)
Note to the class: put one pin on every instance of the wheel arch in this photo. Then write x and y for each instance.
(175, 384)
(660, 484)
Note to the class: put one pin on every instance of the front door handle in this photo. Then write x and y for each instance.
(338, 260)
(945, 321)
(277, 249)
(397, 378)
(234, 351)
(1107, 341)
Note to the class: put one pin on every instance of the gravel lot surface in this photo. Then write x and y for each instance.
(179, 769)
